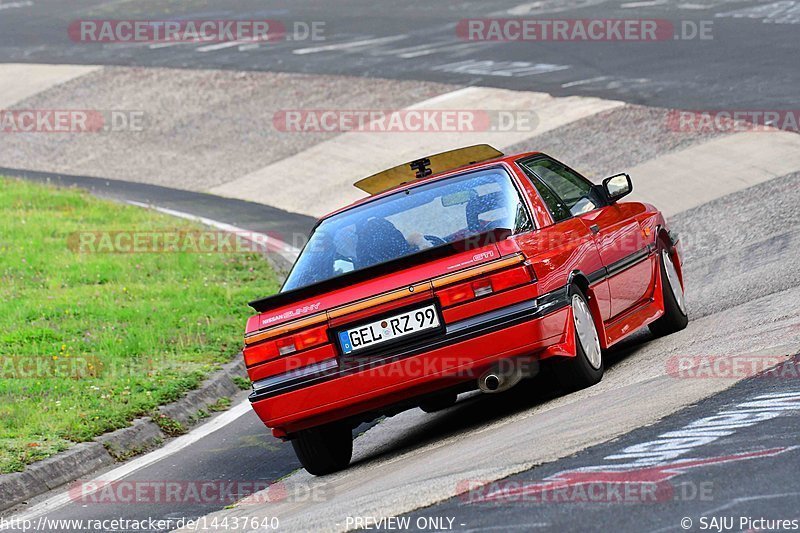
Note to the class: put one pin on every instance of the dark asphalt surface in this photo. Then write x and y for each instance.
(750, 61)
(245, 452)
(241, 457)
(721, 485)
(214, 472)
(246, 215)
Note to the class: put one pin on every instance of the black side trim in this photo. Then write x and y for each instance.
(454, 333)
(626, 262)
(597, 275)
(618, 266)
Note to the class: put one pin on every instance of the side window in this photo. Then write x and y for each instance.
(557, 209)
(575, 193)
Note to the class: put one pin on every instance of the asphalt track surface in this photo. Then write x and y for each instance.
(247, 215)
(749, 61)
(244, 452)
(742, 257)
(726, 482)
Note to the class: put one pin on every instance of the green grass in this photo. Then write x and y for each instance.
(90, 341)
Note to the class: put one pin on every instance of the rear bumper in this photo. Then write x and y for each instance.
(352, 386)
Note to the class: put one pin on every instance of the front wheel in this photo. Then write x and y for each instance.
(586, 368)
(325, 449)
(674, 317)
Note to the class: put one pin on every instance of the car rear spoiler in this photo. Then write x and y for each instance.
(472, 242)
(427, 166)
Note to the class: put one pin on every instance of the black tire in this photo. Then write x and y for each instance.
(325, 449)
(577, 372)
(673, 319)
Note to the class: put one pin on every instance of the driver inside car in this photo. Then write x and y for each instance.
(379, 241)
(417, 240)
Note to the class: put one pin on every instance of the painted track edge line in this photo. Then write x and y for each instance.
(179, 443)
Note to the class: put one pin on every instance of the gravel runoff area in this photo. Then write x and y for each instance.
(201, 128)
(613, 141)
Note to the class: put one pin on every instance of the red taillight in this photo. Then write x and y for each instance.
(259, 353)
(272, 349)
(457, 294)
(513, 277)
(484, 286)
(311, 337)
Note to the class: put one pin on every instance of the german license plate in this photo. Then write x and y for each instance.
(388, 329)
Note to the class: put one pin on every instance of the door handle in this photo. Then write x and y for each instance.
(595, 228)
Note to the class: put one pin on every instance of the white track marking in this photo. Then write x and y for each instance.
(278, 246)
(436, 49)
(584, 82)
(452, 48)
(417, 48)
(349, 45)
(158, 46)
(505, 69)
(649, 3)
(783, 12)
(545, 6)
(15, 5)
(326, 171)
(172, 447)
(220, 46)
(19, 81)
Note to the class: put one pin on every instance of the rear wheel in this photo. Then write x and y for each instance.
(325, 449)
(674, 318)
(586, 368)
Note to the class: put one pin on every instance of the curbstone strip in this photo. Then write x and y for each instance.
(52, 472)
(71, 464)
(142, 435)
(219, 385)
(16, 488)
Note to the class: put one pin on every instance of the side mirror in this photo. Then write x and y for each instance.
(617, 186)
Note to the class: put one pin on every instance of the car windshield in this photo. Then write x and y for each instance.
(408, 222)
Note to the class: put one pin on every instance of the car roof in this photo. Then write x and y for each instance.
(433, 177)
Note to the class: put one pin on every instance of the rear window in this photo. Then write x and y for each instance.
(408, 222)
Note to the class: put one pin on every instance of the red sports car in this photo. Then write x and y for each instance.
(462, 270)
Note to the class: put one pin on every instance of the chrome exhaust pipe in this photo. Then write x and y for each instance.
(505, 374)
(491, 383)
